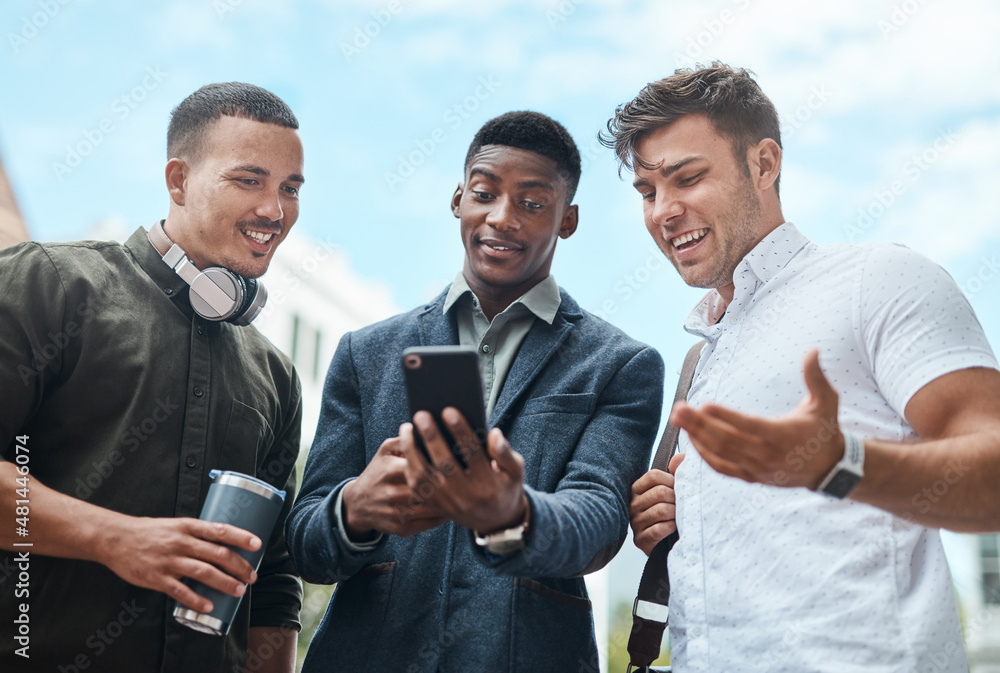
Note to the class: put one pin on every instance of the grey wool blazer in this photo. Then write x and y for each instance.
(582, 403)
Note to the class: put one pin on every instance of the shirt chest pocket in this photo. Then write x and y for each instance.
(248, 438)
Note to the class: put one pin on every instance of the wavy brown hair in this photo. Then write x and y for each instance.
(730, 98)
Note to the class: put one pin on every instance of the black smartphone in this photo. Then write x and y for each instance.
(445, 376)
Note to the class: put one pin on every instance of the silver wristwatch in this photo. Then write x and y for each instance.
(504, 541)
(846, 474)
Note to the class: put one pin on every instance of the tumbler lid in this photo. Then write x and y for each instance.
(245, 481)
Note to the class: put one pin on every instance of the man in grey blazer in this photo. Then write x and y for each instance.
(442, 568)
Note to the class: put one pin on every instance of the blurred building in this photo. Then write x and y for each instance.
(314, 298)
(12, 229)
(977, 579)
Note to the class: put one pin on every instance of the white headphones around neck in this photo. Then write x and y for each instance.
(216, 293)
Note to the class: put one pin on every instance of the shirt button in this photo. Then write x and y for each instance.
(694, 560)
(201, 330)
(486, 348)
(168, 290)
(198, 392)
(190, 462)
(696, 631)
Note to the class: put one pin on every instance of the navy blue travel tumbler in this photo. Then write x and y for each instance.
(245, 502)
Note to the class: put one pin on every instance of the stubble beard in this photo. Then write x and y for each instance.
(744, 216)
(258, 267)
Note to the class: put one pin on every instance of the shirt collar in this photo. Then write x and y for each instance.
(543, 299)
(152, 263)
(772, 254)
(172, 285)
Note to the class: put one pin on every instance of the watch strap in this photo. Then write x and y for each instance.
(848, 471)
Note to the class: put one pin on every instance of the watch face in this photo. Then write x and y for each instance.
(842, 483)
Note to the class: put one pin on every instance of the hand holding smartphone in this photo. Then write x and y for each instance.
(445, 376)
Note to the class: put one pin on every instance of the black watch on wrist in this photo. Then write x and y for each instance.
(847, 473)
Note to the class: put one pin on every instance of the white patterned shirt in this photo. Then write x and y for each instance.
(784, 579)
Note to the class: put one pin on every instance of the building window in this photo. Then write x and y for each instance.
(989, 556)
(307, 342)
(296, 328)
(317, 346)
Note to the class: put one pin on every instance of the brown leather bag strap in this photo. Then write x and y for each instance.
(668, 442)
(654, 588)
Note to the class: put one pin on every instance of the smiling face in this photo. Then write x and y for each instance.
(235, 201)
(701, 208)
(513, 208)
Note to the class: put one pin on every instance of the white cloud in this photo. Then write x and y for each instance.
(954, 207)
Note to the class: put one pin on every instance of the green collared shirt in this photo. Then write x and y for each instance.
(128, 399)
(498, 342)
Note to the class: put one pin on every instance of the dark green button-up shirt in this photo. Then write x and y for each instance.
(128, 399)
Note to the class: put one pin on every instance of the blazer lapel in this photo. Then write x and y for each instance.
(543, 342)
(436, 328)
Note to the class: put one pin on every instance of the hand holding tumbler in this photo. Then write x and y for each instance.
(245, 502)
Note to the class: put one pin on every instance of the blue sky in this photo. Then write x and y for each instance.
(891, 121)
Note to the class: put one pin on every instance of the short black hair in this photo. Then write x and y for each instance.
(195, 113)
(535, 132)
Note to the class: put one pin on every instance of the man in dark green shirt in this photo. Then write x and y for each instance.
(117, 398)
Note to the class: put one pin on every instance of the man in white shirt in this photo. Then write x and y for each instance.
(808, 510)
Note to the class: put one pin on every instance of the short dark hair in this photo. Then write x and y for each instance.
(535, 132)
(195, 113)
(731, 98)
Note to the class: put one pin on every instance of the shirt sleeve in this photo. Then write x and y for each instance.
(276, 596)
(917, 324)
(316, 539)
(35, 334)
(338, 514)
